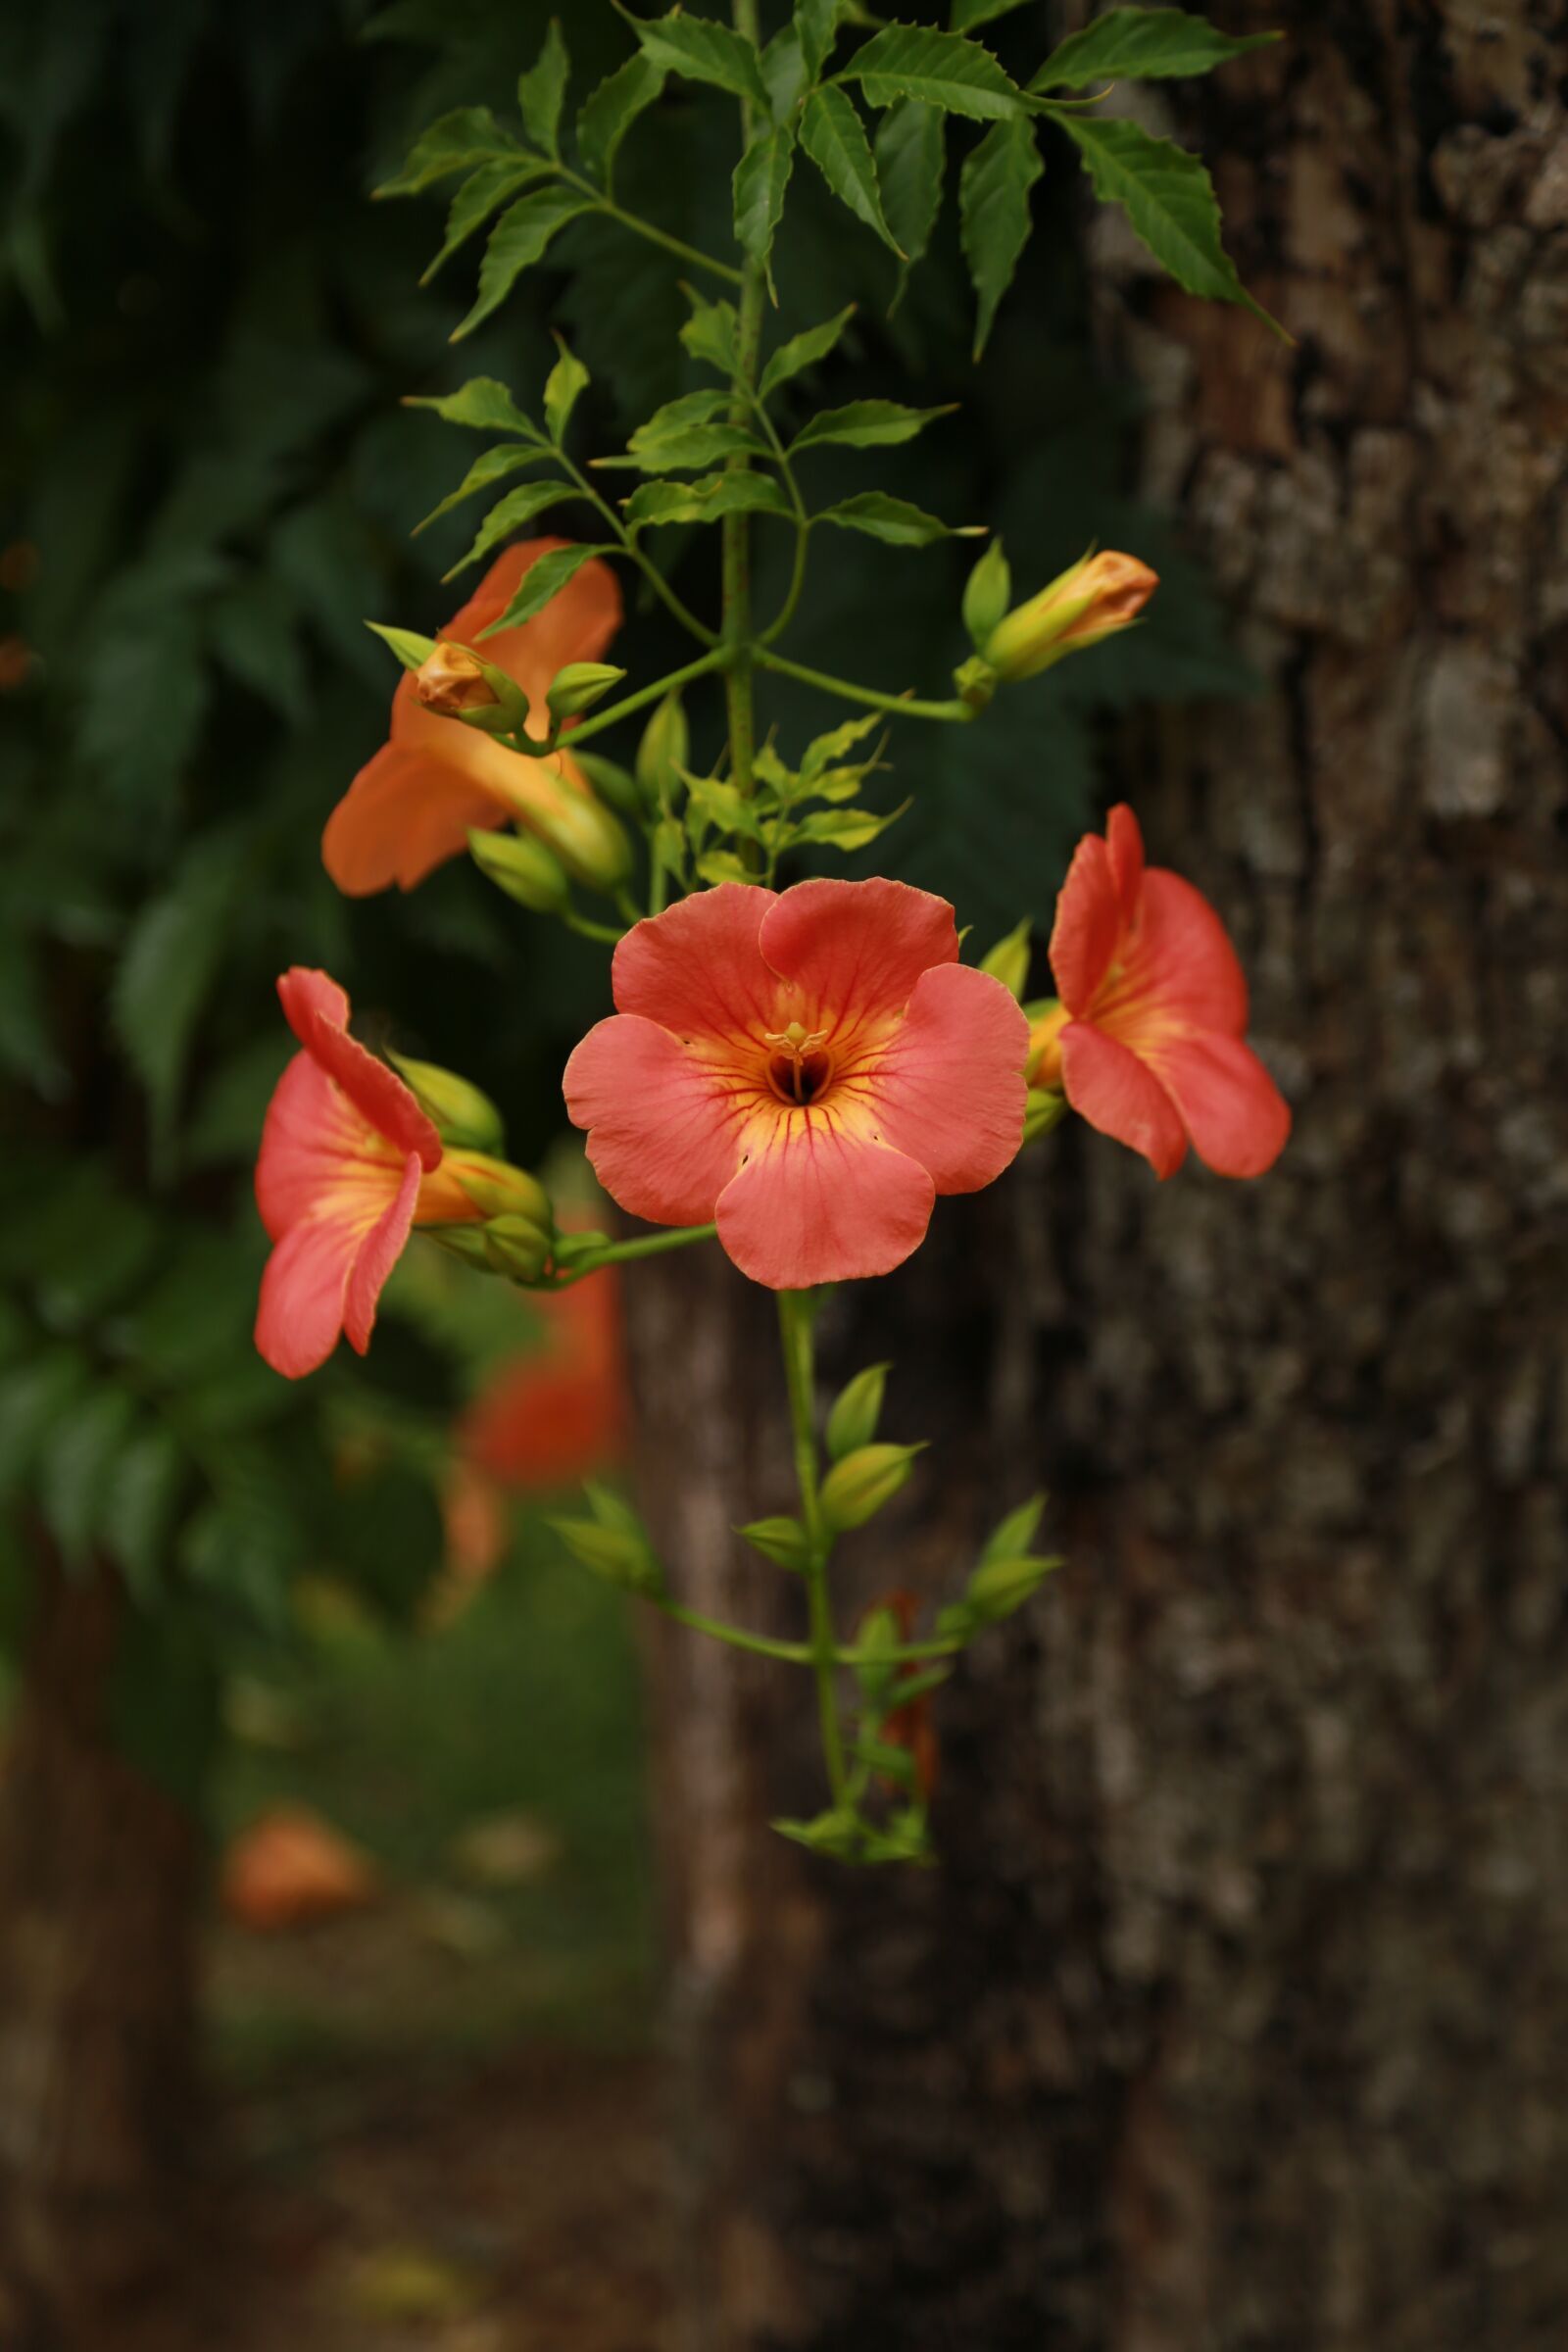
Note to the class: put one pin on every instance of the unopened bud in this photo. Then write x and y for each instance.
(664, 753)
(1048, 1017)
(524, 869)
(856, 1488)
(1093, 598)
(499, 1190)
(986, 594)
(458, 684)
(621, 1555)
(516, 1246)
(590, 842)
(614, 785)
(1009, 961)
(976, 682)
(579, 686)
(459, 1112)
(1042, 1111)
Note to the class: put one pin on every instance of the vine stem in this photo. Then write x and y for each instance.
(736, 553)
(645, 228)
(795, 1334)
(897, 705)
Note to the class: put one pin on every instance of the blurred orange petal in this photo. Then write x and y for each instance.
(290, 1867)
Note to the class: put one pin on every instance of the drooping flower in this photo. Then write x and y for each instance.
(411, 807)
(1148, 1037)
(349, 1164)
(810, 1068)
(1093, 598)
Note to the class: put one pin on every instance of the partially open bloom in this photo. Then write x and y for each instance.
(349, 1164)
(411, 807)
(810, 1068)
(1092, 599)
(1148, 1037)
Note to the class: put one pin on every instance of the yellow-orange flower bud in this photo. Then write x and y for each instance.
(1092, 599)
(452, 680)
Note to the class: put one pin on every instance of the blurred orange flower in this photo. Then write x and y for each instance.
(289, 1868)
(560, 1413)
(411, 807)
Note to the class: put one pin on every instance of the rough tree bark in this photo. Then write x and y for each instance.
(1237, 2014)
(97, 2024)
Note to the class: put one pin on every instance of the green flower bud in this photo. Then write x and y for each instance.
(856, 1410)
(524, 869)
(856, 1488)
(620, 1554)
(615, 785)
(499, 1190)
(591, 844)
(1009, 961)
(976, 682)
(579, 686)
(457, 1109)
(1042, 1111)
(987, 594)
(516, 1246)
(1092, 599)
(780, 1539)
(664, 753)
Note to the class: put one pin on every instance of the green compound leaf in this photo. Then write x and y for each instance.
(518, 239)
(610, 111)
(816, 29)
(891, 519)
(493, 466)
(993, 190)
(565, 386)
(483, 403)
(762, 177)
(702, 51)
(1142, 44)
(708, 500)
(510, 515)
(911, 159)
(938, 69)
(867, 424)
(803, 351)
(1170, 201)
(709, 335)
(543, 580)
(459, 143)
(542, 91)
(492, 185)
(834, 137)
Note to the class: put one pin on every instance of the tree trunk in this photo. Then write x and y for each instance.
(1235, 2016)
(98, 1880)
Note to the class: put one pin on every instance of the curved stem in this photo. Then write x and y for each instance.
(646, 566)
(645, 228)
(622, 1253)
(897, 705)
(736, 529)
(795, 1333)
(589, 928)
(644, 695)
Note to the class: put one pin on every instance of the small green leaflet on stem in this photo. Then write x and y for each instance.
(657, 503)
(816, 26)
(938, 69)
(461, 141)
(543, 580)
(567, 380)
(911, 161)
(542, 91)
(834, 137)
(520, 238)
(891, 519)
(803, 351)
(762, 177)
(510, 515)
(1133, 44)
(701, 50)
(994, 193)
(610, 111)
(709, 333)
(867, 425)
(481, 194)
(483, 403)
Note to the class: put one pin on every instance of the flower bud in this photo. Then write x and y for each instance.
(985, 595)
(458, 684)
(1009, 961)
(459, 1112)
(615, 785)
(619, 1554)
(1093, 598)
(856, 1488)
(579, 686)
(1046, 1019)
(665, 750)
(1042, 1111)
(524, 869)
(590, 842)
(516, 1246)
(499, 1190)
(976, 682)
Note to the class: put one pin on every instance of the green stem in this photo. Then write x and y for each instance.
(897, 705)
(589, 928)
(762, 1646)
(650, 570)
(599, 720)
(795, 1334)
(803, 527)
(736, 529)
(622, 1253)
(655, 236)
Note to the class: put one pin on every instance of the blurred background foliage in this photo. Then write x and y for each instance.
(207, 485)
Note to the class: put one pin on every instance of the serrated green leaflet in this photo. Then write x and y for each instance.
(518, 239)
(458, 142)
(762, 177)
(483, 403)
(994, 191)
(968, 13)
(803, 351)
(610, 111)
(542, 91)
(567, 380)
(834, 137)
(817, 24)
(722, 494)
(1170, 201)
(688, 449)
(492, 185)
(938, 69)
(910, 158)
(510, 515)
(709, 335)
(1131, 44)
(703, 51)
(867, 424)
(891, 519)
(543, 580)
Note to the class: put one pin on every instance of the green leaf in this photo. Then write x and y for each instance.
(609, 112)
(816, 27)
(847, 829)
(891, 519)
(478, 198)
(709, 335)
(803, 351)
(139, 1507)
(1000, 1585)
(543, 580)
(910, 158)
(762, 177)
(1141, 44)
(411, 650)
(707, 501)
(75, 1469)
(968, 13)
(484, 403)
(1169, 200)
(938, 69)
(567, 380)
(699, 50)
(520, 238)
(542, 90)
(618, 1554)
(834, 137)
(1016, 1532)
(669, 448)
(510, 514)
(855, 1411)
(722, 865)
(34, 1399)
(459, 143)
(993, 190)
(173, 951)
(493, 466)
(781, 1540)
(867, 424)
(824, 749)
(783, 69)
